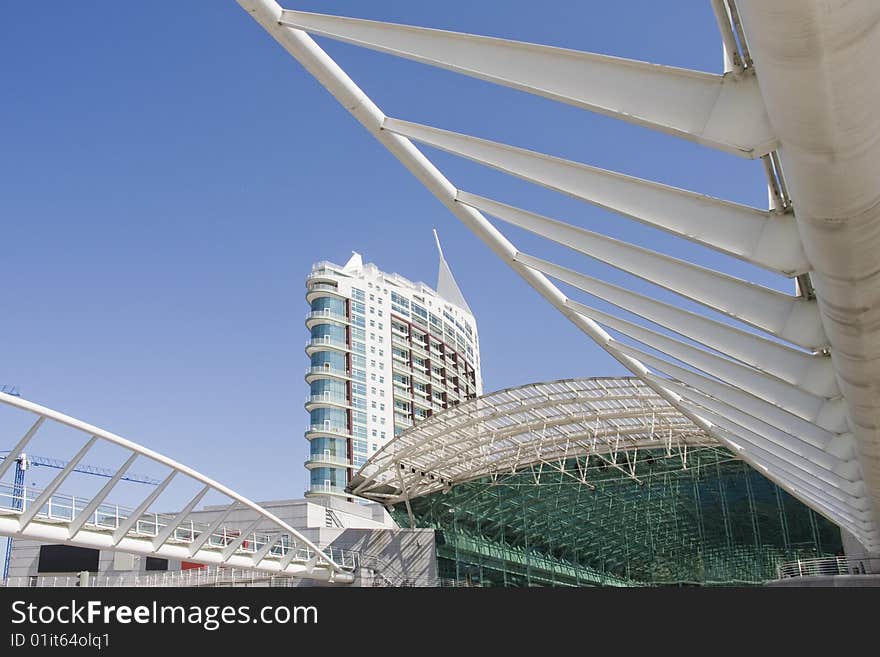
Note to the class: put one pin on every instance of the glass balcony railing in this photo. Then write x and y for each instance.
(327, 314)
(323, 287)
(328, 459)
(328, 398)
(329, 371)
(325, 489)
(327, 342)
(334, 429)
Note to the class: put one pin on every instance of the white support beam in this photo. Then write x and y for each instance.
(769, 240)
(813, 496)
(807, 494)
(774, 390)
(732, 58)
(793, 480)
(16, 451)
(849, 492)
(819, 432)
(724, 112)
(268, 14)
(261, 554)
(126, 524)
(755, 236)
(812, 372)
(203, 537)
(789, 318)
(35, 506)
(289, 556)
(230, 549)
(181, 516)
(830, 497)
(98, 499)
(846, 466)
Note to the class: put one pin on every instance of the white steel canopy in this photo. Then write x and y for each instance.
(269, 544)
(789, 382)
(539, 424)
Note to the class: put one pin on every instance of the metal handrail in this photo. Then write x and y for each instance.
(334, 460)
(111, 516)
(324, 287)
(335, 429)
(828, 566)
(330, 371)
(329, 398)
(327, 342)
(327, 314)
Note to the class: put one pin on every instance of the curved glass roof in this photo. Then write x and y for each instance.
(539, 426)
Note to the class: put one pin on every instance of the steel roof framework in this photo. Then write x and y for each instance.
(540, 426)
(788, 382)
(268, 544)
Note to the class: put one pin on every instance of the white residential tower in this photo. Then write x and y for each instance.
(384, 352)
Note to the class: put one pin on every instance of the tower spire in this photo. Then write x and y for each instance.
(446, 285)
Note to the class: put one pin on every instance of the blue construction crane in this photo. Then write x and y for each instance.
(25, 461)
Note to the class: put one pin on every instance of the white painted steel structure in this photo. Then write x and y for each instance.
(789, 382)
(269, 544)
(538, 426)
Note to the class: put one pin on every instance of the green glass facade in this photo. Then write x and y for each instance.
(715, 521)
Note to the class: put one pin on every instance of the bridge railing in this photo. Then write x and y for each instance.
(828, 566)
(107, 516)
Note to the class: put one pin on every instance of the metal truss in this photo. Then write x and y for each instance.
(786, 381)
(545, 427)
(267, 544)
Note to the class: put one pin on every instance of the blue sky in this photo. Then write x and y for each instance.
(168, 174)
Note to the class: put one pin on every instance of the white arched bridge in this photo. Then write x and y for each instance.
(51, 515)
(788, 381)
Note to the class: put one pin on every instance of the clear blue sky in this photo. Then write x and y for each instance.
(168, 174)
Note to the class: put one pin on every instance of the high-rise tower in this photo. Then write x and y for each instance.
(384, 352)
